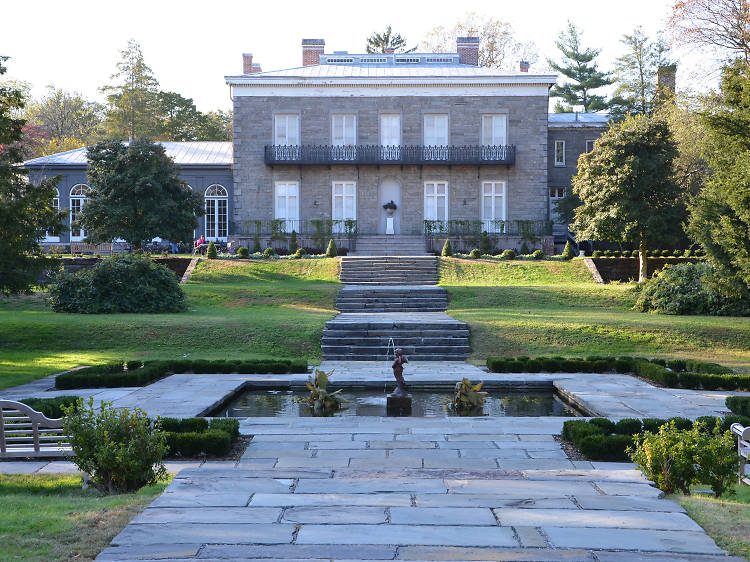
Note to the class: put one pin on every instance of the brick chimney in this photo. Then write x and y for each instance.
(468, 49)
(255, 68)
(247, 63)
(666, 83)
(311, 51)
(524, 66)
(389, 50)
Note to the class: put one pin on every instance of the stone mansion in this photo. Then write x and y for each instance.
(454, 148)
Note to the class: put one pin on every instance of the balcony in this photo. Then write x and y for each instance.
(313, 154)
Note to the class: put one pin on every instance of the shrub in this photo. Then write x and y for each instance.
(211, 251)
(293, 246)
(628, 426)
(689, 288)
(525, 249)
(596, 254)
(132, 365)
(607, 253)
(538, 255)
(706, 367)
(51, 407)
(485, 244)
(243, 252)
(194, 444)
(573, 430)
(320, 402)
(739, 405)
(331, 252)
(227, 425)
(299, 253)
(447, 249)
(474, 254)
(269, 252)
(118, 448)
(508, 255)
(726, 423)
(653, 424)
(256, 246)
(681, 423)
(605, 425)
(567, 252)
(600, 447)
(185, 425)
(468, 398)
(120, 283)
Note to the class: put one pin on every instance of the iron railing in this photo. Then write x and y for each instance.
(376, 154)
(473, 228)
(283, 228)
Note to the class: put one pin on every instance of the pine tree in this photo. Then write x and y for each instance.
(293, 242)
(568, 251)
(211, 251)
(447, 249)
(579, 67)
(379, 42)
(332, 252)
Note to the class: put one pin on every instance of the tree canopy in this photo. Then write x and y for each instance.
(627, 187)
(136, 195)
(381, 42)
(26, 211)
(583, 76)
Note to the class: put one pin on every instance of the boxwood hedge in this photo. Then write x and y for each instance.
(739, 405)
(193, 437)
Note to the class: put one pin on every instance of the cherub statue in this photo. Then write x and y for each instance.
(398, 373)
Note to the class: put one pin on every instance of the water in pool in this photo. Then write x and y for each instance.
(286, 404)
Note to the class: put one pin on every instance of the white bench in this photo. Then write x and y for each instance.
(24, 432)
(743, 449)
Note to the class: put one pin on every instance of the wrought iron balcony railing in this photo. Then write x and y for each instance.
(312, 154)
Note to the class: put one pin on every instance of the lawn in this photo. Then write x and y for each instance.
(236, 310)
(554, 307)
(727, 520)
(49, 516)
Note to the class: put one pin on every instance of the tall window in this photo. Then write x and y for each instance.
(589, 145)
(344, 204)
(79, 196)
(390, 136)
(286, 136)
(344, 136)
(494, 135)
(52, 236)
(435, 136)
(217, 216)
(493, 206)
(436, 200)
(560, 153)
(555, 194)
(287, 204)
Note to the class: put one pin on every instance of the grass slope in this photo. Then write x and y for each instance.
(554, 307)
(274, 308)
(49, 516)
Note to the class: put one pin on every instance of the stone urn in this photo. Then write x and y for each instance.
(390, 208)
(389, 211)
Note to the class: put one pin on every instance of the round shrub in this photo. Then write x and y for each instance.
(628, 426)
(653, 424)
(508, 254)
(635, 254)
(538, 254)
(242, 252)
(607, 426)
(689, 288)
(474, 254)
(447, 249)
(567, 253)
(596, 254)
(211, 251)
(607, 253)
(269, 253)
(299, 253)
(120, 283)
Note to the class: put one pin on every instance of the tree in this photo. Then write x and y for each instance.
(26, 211)
(137, 195)
(62, 115)
(718, 24)
(627, 187)
(179, 119)
(216, 126)
(133, 99)
(583, 75)
(720, 217)
(635, 73)
(498, 46)
(381, 42)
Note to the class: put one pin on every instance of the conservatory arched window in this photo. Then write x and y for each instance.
(54, 236)
(79, 196)
(217, 216)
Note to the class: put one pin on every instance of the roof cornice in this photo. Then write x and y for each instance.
(385, 81)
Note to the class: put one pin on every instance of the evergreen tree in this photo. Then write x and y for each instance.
(332, 252)
(379, 42)
(720, 218)
(447, 249)
(583, 75)
(26, 211)
(137, 195)
(133, 100)
(627, 187)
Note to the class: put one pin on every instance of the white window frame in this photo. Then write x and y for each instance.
(436, 147)
(559, 163)
(339, 227)
(216, 204)
(429, 212)
(390, 150)
(56, 207)
(590, 142)
(79, 196)
(493, 140)
(347, 142)
(553, 199)
(291, 219)
(489, 220)
(286, 149)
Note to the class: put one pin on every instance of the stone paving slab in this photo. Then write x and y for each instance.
(442, 516)
(216, 533)
(407, 534)
(334, 515)
(600, 518)
(632, 539)
(207, 515)
(344, 500)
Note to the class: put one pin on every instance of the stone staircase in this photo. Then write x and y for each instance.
(389, 245)
(392, 298)
(389, 270)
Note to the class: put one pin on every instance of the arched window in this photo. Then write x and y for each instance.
(53, 236)
(217, 216)
(79, 196)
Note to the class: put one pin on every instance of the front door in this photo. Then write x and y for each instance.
(344, 204)
(390, 190)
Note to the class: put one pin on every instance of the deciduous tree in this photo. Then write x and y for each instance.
(137, 195)
(627, 187)
(62, 115)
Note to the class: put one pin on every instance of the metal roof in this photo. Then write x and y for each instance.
(183, 153)
(567, 120)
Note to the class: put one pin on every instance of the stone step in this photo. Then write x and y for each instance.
(379, 301)
(382, 357)
(382, 341)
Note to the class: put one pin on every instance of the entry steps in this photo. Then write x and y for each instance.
(392, 298)
(424, 336)
(389, 270)
(390, 245)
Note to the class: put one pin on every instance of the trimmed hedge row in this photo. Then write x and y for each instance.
(739, 405)
(112, 375)
(50, 407)
(193, 437)
(673, 373)
(601, 439)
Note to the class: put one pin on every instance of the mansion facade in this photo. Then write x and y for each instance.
(328, 144)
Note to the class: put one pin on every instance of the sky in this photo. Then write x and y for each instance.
(191, 45)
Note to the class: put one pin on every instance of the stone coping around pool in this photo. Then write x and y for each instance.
(607, 395)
